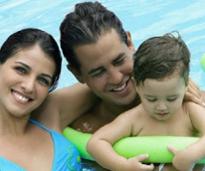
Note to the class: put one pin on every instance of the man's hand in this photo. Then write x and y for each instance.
(194, 94)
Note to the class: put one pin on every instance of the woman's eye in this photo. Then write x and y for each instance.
(44, 81)
(20, 69)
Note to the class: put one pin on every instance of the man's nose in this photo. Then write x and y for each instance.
(115, 76)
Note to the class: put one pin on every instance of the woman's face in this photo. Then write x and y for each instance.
(25, 79)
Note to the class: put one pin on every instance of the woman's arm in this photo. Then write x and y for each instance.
(64, 105)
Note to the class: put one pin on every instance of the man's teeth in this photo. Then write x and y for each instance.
(119, 88)
(21, 98)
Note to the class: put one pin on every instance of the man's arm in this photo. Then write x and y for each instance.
(64, 105)
(194, 94)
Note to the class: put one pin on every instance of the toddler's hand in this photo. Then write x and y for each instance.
(134, 164)
(182, 160)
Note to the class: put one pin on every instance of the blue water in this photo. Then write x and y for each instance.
(143, 18)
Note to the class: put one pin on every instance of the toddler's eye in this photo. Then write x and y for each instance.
(171, 99)
(151, 99)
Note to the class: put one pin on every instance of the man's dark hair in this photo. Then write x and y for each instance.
(85, 25)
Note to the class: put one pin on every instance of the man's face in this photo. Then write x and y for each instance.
(106, 67)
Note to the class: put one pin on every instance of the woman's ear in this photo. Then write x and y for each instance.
(129, 41)
(76, 72)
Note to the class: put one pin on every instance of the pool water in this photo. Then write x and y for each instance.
(143, 18)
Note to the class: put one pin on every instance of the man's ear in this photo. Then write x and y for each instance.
(129, 41)
(76, 72)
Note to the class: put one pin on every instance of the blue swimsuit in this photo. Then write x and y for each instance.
(66, 156)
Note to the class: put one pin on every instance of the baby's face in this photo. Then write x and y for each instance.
(162, 98)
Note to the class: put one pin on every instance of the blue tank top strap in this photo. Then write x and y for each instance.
(35, 122)
(66, 156)
(6, 165)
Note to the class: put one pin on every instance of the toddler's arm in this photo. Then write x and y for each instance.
(100, 146)
(185, 159)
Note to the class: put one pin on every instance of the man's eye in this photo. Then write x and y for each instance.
(119, 61)
(98, 73)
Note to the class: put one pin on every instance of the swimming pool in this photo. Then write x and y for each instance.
(143, 18)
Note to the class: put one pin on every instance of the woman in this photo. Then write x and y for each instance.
(30, 64)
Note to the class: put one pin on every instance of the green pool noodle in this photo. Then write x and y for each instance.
(202, 62)
(155, 146)
(79, 139)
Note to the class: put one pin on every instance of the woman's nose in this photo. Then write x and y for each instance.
(28, 84)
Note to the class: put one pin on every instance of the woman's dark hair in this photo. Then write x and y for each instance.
(27, 38)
